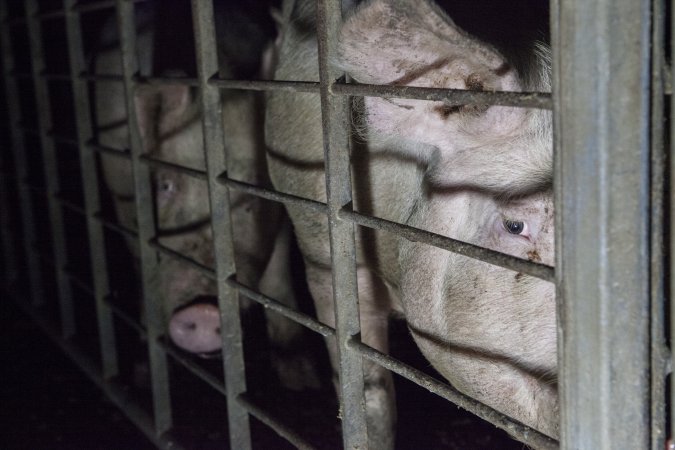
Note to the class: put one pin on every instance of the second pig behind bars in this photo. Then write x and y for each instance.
(169, 121)
(479, 174)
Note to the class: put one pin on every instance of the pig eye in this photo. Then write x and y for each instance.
(166, 186)
(515, 227)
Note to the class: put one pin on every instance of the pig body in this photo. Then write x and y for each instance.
(169, 120)
(478, 174)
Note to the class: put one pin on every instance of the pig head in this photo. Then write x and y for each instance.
(169, 119)
(477, 173)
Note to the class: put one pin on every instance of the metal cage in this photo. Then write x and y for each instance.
(610, 102)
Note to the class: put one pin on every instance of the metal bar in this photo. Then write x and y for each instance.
(335, 116)
(659, 351)
(50, 165)
(11, 264)
(159, 81)
(207, 271)
(126, 318)
(100, 77)
(216, 163)
(264, 85)
(146, 225)
(601, 87)
(119, 395)
(519, 431)
(154, 162)
(276, 196)
(671, 232)
(272, 422)
(124, 154)
(110, 225)
(534, 269)
(90, 186)
(20, 163)
(290, 313)
(452, 97)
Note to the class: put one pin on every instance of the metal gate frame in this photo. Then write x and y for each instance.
(608, 101)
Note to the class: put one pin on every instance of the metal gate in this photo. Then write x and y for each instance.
(610, 102)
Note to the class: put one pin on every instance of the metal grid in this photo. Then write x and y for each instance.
(620, 239)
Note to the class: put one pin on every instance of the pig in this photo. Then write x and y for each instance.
(169, 121)
(479, 174)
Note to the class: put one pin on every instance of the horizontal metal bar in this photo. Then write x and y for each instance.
(521, 432)
(60, 139)
(452, 97)
(154, 81)
(50, 15)
(496, 258)
(154, 162)
(121, 397)
(269, 194)
(265, 85)
(15, 21)
(449, 96)
(101, 77)
(52, 76)
(191, 366)
(113, 226)
(93, 6)
(269, 420)
(74, 207)
(79, 282)
(124, 317)
(121, 153)
(290, 313)
(209, 272)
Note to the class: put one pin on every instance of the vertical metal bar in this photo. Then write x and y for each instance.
(336, 132)
(671, 231)
(45, 124)
(228, 300)
(659, 353)
(20, 163)
(601, 82)
(146, 224)
(90, 185)
(7, 233)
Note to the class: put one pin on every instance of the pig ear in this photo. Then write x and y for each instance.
(159, 108)
(414, 43)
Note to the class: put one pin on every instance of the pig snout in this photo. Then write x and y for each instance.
(196, 328)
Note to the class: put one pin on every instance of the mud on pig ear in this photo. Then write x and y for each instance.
(414, 43)
(160, 108)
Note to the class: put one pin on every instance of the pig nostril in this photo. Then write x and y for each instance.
(191, 326)
(218, 331)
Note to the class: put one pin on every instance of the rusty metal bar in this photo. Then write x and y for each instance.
(450, 97)
(90, 185)
(216, 163)
(519, 431)
(119, 395)
(290, 313)
(272, 422)
(335, 116)
(50, 166)
(534, 269)
(154, 162)
(20, 163)
(100, 77)
(146, 224)
(602, 92)
(659, 351)
(276, 196)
